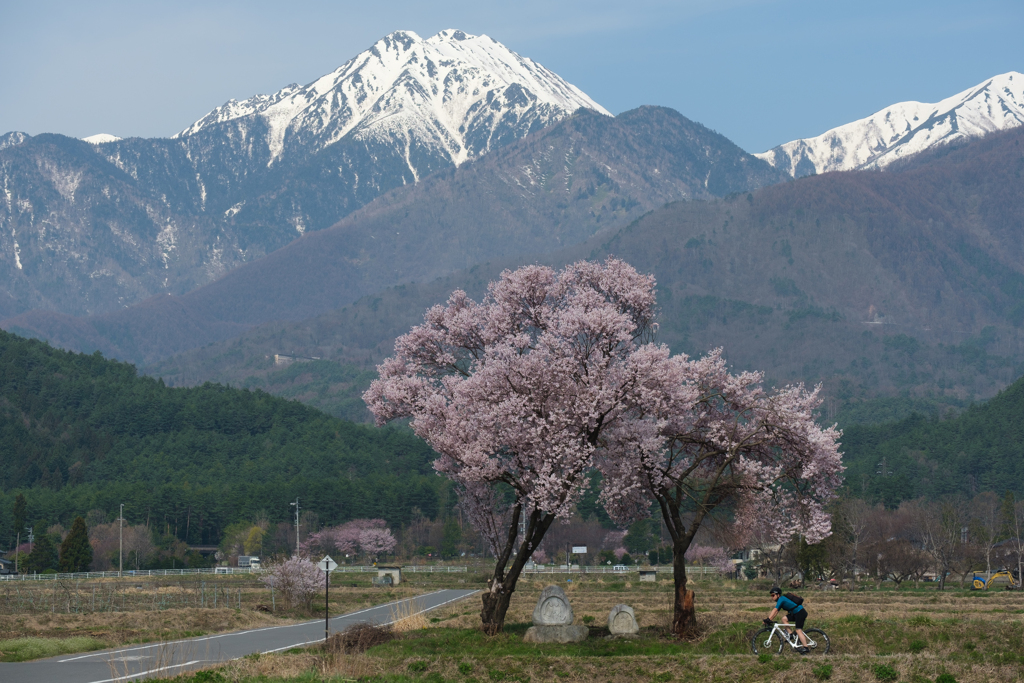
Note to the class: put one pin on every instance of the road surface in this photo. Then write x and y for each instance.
(139, 662)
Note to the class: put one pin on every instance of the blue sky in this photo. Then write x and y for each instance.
(761, 72)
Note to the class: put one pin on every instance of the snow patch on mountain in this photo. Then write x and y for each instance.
(906, 128)
(453, 92)
(100, 138)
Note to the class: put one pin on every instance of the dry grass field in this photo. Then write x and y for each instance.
(912, 635)
(112, 612)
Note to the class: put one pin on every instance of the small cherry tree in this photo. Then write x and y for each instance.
(515, 394)
(297, 579)
(713, 443)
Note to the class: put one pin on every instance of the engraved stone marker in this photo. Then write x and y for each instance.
(553, 608)
(622, 621)
(552, 620)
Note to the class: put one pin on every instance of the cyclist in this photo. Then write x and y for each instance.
(794, 610)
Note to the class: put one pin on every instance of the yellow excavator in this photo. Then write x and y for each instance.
(1003, 577)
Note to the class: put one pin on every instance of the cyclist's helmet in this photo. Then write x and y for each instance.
(775, 591)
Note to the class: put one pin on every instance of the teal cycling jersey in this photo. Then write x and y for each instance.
(788, 605)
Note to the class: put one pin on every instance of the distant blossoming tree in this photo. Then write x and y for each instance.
(376, 542)
(297, 579)
(708, 556)
(713, 442)
(369, 536)
(516, 393)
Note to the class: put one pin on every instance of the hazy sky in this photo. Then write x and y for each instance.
(761, 72)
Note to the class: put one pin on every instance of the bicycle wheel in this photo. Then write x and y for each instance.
(762, 642)
(819, 638)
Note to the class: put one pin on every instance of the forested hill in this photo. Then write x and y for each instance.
(980, 450)
(79, 432)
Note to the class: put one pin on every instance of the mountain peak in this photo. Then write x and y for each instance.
(906, 128)
(458, 94)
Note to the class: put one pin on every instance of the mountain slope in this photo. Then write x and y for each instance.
(980, 450)
(902, 130)
(903, 284)
(92, 226)
(556, 187)
(79, 433)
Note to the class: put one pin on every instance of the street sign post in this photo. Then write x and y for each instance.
(327, 565)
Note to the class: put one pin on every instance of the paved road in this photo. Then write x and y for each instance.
(170, 659)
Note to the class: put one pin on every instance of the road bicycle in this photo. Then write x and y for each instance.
(765, 640)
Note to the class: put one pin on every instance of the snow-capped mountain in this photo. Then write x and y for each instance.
(101, 138)
(99, 223)
(907, 128)
(456, 94)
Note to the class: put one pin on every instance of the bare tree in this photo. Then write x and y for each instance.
(945, 525)
(896, 544)
(1014, 520)
(987, 525)
(857, 515)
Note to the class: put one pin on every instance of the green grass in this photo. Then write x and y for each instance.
(24, 649)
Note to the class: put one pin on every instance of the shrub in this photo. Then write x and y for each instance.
(418, 666)
(764, 657)
(823, 672)
(209, 677)
(945, 678)
(916, 646)
(359, 638)
(885, 672)
(465, 668)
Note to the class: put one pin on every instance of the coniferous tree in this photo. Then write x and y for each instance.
(44, 554)
(75, 551)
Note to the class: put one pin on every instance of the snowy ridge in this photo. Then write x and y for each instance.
(100, 138)
(906, 128)
(454, 93)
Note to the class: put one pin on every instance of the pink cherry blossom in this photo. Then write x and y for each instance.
(554, 373)
(516, 392)
(297, 579)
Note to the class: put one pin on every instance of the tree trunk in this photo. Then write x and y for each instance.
(492, 614)
(684, 615)
(501, 585)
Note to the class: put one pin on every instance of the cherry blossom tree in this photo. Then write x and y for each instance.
(376, 542)
(709, 556)
(297, 579)
(713, 443)
(516, 392)
(348, 539)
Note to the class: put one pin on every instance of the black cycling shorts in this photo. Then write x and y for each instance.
(798, 618)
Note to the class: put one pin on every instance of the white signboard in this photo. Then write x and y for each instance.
(327, 564)
(579, 550)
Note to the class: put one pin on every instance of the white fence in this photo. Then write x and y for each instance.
(576, 569)
(356, 569)
(135, 573)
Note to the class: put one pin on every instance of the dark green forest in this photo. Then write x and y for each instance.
(982, 449)
(79, 433)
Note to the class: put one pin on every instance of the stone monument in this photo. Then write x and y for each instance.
(622, 622)
(552, 620)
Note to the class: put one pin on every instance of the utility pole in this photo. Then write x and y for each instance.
(17, 553)
(120, 542)
(296, 504)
